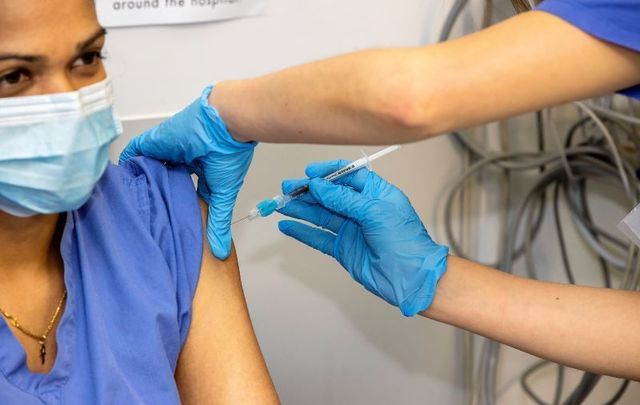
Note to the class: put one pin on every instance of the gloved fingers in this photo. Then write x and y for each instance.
(219, 223)
(355, 180)
(321, 169)
(155, 143)
(289, 185)
(313, 237)
(314, 214)
(131, 150)
(339, 199)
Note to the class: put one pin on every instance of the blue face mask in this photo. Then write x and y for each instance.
(54, 149)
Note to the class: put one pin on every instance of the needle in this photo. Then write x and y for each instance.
(240, 220)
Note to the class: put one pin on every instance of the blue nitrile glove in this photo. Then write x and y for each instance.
(372, 230)
(198, 138)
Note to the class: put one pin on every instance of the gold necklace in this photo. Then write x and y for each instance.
(42, 339)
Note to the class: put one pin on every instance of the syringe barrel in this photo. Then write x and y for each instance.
(283, 199)
(299, 191)
(351, 167)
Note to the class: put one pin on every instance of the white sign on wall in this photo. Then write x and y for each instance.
(120, 13)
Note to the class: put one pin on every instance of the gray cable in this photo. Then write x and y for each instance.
(578, 214)
(561, 148)
(451, 19)
(457, 182)
(557, 396)
(628, 267)
(528, 241)
(612, 145)
(595, 245)
(614, 114)
(574, 204)
(558, 173)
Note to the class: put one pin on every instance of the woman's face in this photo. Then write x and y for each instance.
(51, 46)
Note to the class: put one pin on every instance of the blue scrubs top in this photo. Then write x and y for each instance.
(132, 257)
(615, 21)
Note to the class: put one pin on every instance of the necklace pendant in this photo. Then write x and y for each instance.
(43, 352)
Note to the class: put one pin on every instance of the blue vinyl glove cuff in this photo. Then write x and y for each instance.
(433, 268)
(217, 128)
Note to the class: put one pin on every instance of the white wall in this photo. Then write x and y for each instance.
(326, 340)
(159, 69)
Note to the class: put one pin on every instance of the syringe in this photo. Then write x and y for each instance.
(269, 206)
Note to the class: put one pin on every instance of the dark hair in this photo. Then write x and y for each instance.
(523, 5)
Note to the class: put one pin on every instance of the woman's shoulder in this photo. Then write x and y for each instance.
(150, 173)
(153, 205)
(154, 189)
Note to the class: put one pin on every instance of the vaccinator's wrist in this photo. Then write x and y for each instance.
(433, 268)
(220, 99)
(456, 292)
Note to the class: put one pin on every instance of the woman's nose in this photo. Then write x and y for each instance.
(59, 83)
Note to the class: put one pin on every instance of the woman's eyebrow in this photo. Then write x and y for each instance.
(93, 38)
(26, 58)
(39, 58)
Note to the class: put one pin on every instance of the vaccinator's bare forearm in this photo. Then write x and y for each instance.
(387, 96)
(594, 329)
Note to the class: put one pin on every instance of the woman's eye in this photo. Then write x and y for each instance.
(14, 78)
(88, 59)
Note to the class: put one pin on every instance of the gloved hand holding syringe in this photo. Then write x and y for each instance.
(269, 206)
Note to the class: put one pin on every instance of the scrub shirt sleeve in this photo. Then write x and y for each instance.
(175, 224)
(615, 21)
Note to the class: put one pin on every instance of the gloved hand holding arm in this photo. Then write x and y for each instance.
(198, 137)
(369, 226)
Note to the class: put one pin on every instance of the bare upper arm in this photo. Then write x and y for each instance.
(528, 62)
(221, 362)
